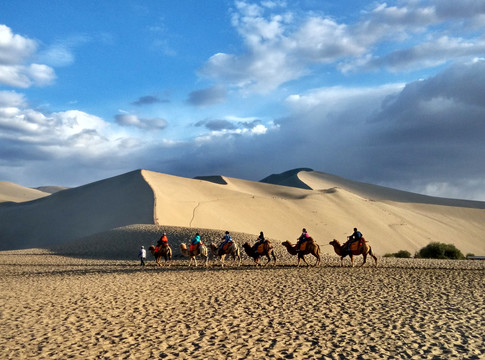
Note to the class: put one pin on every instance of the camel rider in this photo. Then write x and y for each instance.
(227, 238)
(356, 236)
(303, 237)
(195, 241)
(260, 241)
(163, 240)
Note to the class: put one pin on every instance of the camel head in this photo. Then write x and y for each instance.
(334, 242)
(152, 249)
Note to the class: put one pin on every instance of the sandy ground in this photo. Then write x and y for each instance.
(55, 307)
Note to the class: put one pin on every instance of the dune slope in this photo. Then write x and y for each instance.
(77, 212)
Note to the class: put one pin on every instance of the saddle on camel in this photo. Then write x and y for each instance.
(161, 250)
(259, 250)
(227, 247)
(309, 246)
(359, 247)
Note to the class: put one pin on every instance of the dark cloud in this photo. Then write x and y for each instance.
(149, 100)
(217, 125)
(206, 97)
(141, 123)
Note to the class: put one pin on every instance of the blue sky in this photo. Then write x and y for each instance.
(391, 93)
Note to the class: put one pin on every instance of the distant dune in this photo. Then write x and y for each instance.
(10, 192)
(281, 205)
(288, 178)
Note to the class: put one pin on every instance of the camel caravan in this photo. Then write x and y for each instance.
(263, 248)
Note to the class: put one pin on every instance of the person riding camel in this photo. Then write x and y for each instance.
(195, 242)
(163, 241)
(261, 240)
(356, 236)
(227, 238)
(303, 237)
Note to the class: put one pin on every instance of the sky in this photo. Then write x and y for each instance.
(389, 93)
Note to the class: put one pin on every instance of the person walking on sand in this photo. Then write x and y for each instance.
(142, 255)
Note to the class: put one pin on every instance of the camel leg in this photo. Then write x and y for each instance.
(371, 254)
(269, 259)
(352, 260)
(274, 257)
(317, 262)
(365, 259)
(303, 258)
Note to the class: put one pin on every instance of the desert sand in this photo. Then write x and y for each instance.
(56, 307)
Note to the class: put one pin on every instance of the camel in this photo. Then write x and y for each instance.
(266, 250)
(230, 248)
(165, 251)
(200, 250)
(356, 248)
(311, 247)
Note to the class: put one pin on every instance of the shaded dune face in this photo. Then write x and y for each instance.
(77, 212)
(328, 206)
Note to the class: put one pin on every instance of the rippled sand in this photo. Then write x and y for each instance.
(55, 307)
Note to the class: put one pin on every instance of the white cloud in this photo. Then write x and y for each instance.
(281, 46)
(12, 99)
(15, 52)
(14, 48)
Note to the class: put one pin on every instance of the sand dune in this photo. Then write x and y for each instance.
(16, 193)
(329, 207)
(77, 212)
